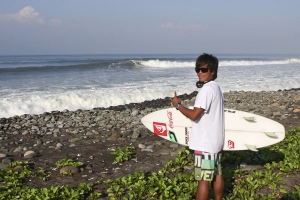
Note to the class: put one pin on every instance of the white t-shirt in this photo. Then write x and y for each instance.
(208, 130)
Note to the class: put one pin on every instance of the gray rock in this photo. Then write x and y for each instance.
(134, 113)
(50, 125)
(69, 169)
(18, 149)
(174, 146)
(18, 169)
(141, 146)
(276, 114)
(114, 136)
(2, 166)
(29, 154)
(25, 132)
(38, 141)
(6, 161)
(59, 145)
(2, 155)
(149, 150)
(89, 166)
(135, 135)
(89, 133)
(74, 139)
(95, 132)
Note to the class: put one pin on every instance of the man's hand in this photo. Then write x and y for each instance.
(175, 100)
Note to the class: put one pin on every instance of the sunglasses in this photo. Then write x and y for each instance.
(202, 69)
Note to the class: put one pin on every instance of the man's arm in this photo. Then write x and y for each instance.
(192, 114)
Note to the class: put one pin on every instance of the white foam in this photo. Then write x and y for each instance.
(165, 64)
(39, 102)
(171, 64)
(258, 63)
(72, 100)
(100, 89)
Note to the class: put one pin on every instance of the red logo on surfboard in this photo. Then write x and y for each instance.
(230, 144)
(160, 129)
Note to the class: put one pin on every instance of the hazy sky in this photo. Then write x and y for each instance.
(144, 26)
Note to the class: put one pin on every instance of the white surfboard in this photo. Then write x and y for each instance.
(243, 130)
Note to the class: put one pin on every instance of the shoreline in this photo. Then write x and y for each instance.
(239, 100)
(153, 102)
(282, 106)
(89, 136)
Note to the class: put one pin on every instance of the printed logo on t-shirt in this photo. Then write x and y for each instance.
(160, 128)
(230, 144)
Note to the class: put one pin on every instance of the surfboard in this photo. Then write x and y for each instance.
(243, 130)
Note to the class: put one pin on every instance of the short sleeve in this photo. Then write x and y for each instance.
(204, 98)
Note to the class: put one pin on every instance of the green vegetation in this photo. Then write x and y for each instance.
(164, 184)
(175, 180)
(123, 154)
(67, 162)
(12, 178)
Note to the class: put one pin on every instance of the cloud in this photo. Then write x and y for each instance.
(28, 15)
(170, 25)
(25, 15)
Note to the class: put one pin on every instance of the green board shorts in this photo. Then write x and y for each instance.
(207, 165)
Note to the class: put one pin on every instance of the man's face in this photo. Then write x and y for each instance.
(204, 74)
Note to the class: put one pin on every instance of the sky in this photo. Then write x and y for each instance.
(56, 27)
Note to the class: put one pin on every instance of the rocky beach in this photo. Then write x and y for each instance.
(89, 136)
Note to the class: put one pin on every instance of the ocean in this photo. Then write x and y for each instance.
(34, 84)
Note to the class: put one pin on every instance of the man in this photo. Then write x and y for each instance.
(207, 135)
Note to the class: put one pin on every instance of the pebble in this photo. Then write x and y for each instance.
(141, 146)
(150, 147)
(2, 155)
(73, 170)
(58, 145)
(38, 142)
(18, 149)
(25, 132)
(174, 146)
(29, 154)
(297, 110)
(6, 161)
(89, 166)
(3, 166)
(120, 123)
(135, 135)
(18, 169)
(149, 150)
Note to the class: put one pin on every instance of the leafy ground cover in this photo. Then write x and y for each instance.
(274, 174)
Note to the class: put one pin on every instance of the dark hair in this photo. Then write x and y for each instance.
(211, 62)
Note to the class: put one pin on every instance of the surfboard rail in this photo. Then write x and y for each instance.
(243, 130)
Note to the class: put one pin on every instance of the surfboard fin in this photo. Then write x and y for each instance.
(271, 134)
(251, 147)
(250, 119)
